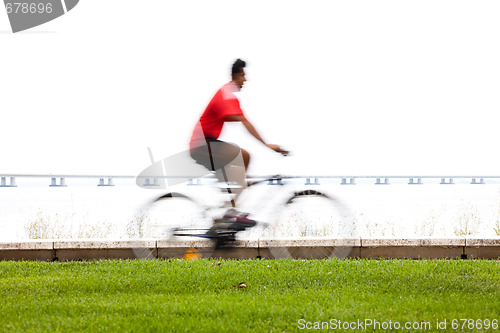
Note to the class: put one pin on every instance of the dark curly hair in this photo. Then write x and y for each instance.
(238, 66)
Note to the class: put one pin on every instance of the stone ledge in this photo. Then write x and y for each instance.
(380, 247)
(310, 242)
(28, 245)
(474, 241)
(420, 241)
(24, 255)
(412, 252)
(482, 248)
(104, 244)
(97, 254)
(162, 244)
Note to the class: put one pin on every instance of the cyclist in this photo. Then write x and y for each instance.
(229, 162)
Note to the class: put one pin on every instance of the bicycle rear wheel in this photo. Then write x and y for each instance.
(311, 225)
(180, 224)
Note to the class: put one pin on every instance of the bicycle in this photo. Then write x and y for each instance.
(295, 221)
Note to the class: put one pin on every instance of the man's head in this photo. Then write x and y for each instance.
(238, 73)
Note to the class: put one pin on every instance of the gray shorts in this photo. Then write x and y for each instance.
(215, 154)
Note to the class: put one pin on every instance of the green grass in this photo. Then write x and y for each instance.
(202, 295)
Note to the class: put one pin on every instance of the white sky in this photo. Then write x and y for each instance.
(350, 87)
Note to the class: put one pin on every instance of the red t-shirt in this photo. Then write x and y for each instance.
(223, 104)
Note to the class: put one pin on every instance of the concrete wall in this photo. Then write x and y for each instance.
(375, 248)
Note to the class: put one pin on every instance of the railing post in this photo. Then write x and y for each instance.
(194, 182)
(351, 181)
(102, 183)
(412, 182)
(449, 182)
(474, 181)
(147, 182)
(308, 181)
(275, 181)
(53, 182)
(385, 182)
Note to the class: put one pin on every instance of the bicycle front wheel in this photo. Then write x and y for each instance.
(311, 225)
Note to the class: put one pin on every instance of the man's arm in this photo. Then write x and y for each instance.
(251, 129)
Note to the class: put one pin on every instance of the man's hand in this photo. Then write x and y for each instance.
(277, 149)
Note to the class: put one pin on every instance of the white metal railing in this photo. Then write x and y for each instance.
(59, 180)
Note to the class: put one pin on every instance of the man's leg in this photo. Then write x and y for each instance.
(246, 158)
(234, 172)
